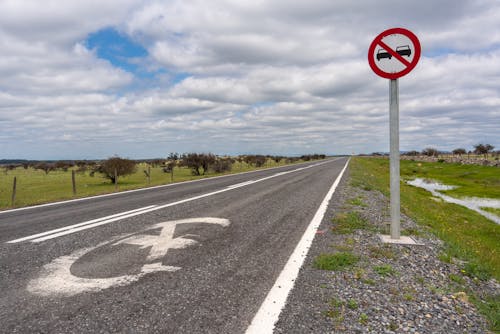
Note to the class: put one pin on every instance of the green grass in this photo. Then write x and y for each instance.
(456, 278)
(476, 270)
(384, 270)
(382, 252)
(490, 307)
(352, 304)
(363, 319)
(472, 180)
(335, 310)
(347, 223)
(408, 296)
(467, 235)
(36, 187)
(494, 211)
(338, 261)
(358, 201)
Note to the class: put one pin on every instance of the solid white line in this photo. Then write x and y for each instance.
(119, 216)
(268, 313)
(241, 184)
(144, 189)
(77, 225)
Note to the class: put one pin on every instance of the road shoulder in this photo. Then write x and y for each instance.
(390, 289)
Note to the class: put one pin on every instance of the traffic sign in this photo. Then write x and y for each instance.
(394, 53)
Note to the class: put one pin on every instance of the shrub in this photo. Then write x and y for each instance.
(222, 165)
(257, 160)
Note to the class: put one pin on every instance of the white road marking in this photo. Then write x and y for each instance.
(56, 277)
(268, 313)
(240, 184)
(119, 216)
(71, 227)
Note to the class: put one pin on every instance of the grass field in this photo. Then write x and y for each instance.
(472, 180)
(36, 187)
(467, 235)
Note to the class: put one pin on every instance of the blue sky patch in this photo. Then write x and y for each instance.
(118, 49)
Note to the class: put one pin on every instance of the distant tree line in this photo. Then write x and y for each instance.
(479, 149)
(115, 167)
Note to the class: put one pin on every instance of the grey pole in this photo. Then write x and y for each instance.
(394, 157)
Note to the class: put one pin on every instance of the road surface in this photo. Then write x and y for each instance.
(196, 257)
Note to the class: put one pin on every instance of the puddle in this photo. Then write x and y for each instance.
(473, 203)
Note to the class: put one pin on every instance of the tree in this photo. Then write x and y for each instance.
(430, 152)
(63, 165)
(483, 149)
(412, 153)
(198, 161)
(116, 166)
(9, 168)
(46, 167)
(170, 164)
(459, 151)
(193, 161)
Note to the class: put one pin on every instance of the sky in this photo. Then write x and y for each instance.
(140, 79)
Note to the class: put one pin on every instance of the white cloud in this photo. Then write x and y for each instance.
(277, 77)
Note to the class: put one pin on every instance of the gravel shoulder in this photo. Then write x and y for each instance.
(391, 289)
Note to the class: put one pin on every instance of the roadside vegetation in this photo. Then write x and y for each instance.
(40, 182)
(468, 235)
(471, 241)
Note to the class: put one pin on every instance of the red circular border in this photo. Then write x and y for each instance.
(413, 63)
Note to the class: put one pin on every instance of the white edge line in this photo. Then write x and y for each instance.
(150, 188)
(52, 234)
(269, 311)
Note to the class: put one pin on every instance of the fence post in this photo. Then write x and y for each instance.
(149, 175)
(73, 181)
(14, 189)
(172, 173)
(116, 180)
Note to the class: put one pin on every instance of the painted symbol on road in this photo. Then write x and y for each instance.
(394, 53)
(144, 252)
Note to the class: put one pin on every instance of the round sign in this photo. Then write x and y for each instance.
(394, 53)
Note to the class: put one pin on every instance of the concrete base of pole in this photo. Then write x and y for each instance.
(403, 240)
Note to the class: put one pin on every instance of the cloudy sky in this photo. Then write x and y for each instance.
(96, 78)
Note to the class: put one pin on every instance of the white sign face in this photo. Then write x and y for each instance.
(403, 46)
(57, 278)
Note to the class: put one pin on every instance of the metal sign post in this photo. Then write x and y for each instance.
(393, 54)
(394, 157)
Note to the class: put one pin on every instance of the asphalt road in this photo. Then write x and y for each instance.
(196, 257)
